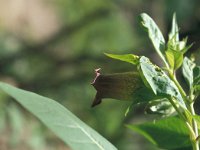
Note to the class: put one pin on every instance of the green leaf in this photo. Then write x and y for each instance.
(197, 119)
(170, 58)
(155, 36)
(175, 52)
(169, 133)
(175, 58)
(62, 122)
(196, 75)
(186, 48)
(178, 56)
(159, 82)
(130, 58)
(187, 70)
(185, 148)
(196, 78)
(174, 30)
(160, 106)
(191, 73)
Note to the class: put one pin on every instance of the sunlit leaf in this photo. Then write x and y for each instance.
(175, 58)
(187, 70)
(155, 35)
(61, 121)
(130, 58)
(159, 82)
(174, 30)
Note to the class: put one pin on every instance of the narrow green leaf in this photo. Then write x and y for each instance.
(191, 73)
(197, 119)
(196, 78)
(174, 30)
(196, 75)
(62, 122)
(130, 58)
(159, 82)
(187, 70)
(197, 88)
(169, 133)
(186, 48)
(155, 36)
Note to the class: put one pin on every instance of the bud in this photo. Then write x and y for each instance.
(122, 86)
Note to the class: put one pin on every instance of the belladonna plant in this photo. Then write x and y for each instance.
(158, 88)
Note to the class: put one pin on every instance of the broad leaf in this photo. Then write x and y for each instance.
(62, 122)
(161, 107)
(130, 58)
(155, 36)
(175, 58)
(187, 70)
(159, 82)
(169, 133)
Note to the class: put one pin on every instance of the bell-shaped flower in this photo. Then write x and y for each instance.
(122, 86)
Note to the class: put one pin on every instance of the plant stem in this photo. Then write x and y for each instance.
(193, 128)
(195, 143)
(173, 78)
(177, 109)
(182, 92)
(194, 123)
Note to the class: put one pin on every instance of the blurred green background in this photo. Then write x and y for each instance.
(51, 47)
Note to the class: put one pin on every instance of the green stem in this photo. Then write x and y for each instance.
(177, 109)
(194, 123)
(193, 128)
(193, 138)
(195, 143)
(173, 78)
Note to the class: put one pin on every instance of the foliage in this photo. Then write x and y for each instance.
(62, 122)
(163, 83)
(60, 66)
(160, 133)
(155, 35)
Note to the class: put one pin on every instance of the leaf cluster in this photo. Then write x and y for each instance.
(174, 104)
(179, 126)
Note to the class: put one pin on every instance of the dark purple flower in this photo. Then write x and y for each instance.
(122, 86)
